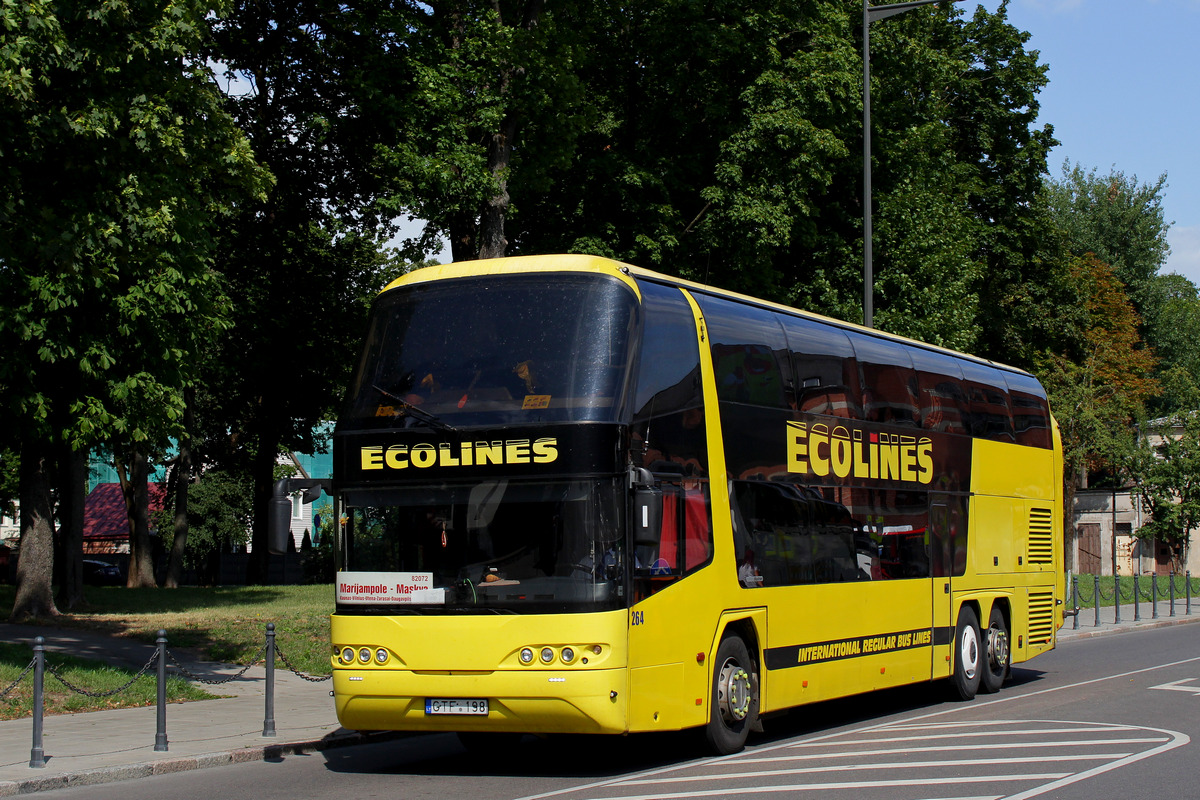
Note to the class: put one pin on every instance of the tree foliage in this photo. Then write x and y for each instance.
(116, 157)
(1168, 484)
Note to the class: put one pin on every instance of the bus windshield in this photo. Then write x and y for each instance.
(549, 347)
(520, 546)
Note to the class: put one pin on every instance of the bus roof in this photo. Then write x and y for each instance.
(574, 262)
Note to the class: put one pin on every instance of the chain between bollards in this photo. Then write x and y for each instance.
(37, 754)
(160, 732)
(269, 718)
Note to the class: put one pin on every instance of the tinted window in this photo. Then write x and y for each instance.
(669, 430)
(1030, 411)
(749, 352)
(988, 414)
(825, 373)
(942, 401)
(506, 349)
(889, 384)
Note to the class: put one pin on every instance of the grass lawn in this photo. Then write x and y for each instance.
(228, 623)
(91, 676)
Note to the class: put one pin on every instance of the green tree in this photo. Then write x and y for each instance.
(1173, 324)
(727, 149)
(1116, 218)
(1168, 484)
(116, 159)
(300, 264)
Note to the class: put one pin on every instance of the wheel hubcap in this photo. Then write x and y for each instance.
(733, 692)
(998, 648)
(969, 652)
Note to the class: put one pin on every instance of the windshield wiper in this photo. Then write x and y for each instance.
(416, 412)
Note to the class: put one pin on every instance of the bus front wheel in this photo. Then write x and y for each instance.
(967, 654)
(995, 667)
(733, 705)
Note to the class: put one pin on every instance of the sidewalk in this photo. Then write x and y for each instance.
(104, 746)
(1144, 613)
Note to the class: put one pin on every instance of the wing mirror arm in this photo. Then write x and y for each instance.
(279, 517)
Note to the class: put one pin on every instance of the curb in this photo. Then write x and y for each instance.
(1110, 628)
(166, 766)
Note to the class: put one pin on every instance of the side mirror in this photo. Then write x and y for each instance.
(279, 519)
(647, 507)
(279, 509)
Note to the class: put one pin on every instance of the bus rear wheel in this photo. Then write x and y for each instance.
(967, 654)
(996, 646)
(733, 705)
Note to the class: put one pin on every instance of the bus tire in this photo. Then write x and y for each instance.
(733, 704)
(996, 653)
(968, 655)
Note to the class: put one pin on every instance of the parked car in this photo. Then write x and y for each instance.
(101, 573)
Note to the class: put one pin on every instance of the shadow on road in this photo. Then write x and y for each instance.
(599, 757)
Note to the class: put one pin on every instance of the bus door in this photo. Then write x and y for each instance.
(941, 557)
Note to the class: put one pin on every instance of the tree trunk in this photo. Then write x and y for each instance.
(35, 567)
(263, 476)
(135, 486)
(183, 480)
(492, 243)
(72, 496)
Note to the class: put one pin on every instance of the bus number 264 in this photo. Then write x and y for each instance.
(637, 618)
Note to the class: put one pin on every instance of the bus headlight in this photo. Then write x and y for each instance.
(381, 656)
(526, 655)
(547, 655)
(347, 655)
(568, 655)
(364, 655)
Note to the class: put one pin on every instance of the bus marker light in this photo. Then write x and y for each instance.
(596, 649)
(699, 658)
(804, 684)
(699, 701)
(882, 670)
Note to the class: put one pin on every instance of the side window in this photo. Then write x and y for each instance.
(1030, 411)
(668, 420)
(988, 413)
(824, 369)
(686, 542)
(889, 384)
(787, 534)
(749, 352)
(941, 400)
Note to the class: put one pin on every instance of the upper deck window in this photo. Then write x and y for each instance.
(493, 350)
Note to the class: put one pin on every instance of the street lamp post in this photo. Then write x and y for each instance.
(870, 14)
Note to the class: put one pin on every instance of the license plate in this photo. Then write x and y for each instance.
(456, 705)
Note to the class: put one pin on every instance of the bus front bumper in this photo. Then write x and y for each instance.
(520, 700)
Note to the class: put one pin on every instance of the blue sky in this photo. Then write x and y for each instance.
(1123, 94)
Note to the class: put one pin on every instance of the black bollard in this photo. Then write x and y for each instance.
(269, 719)
(160, 734)
(1096, 594)
(37, 755)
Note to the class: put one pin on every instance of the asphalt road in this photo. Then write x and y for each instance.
(1112, 716)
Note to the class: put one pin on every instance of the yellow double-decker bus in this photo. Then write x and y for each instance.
(577, 496)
